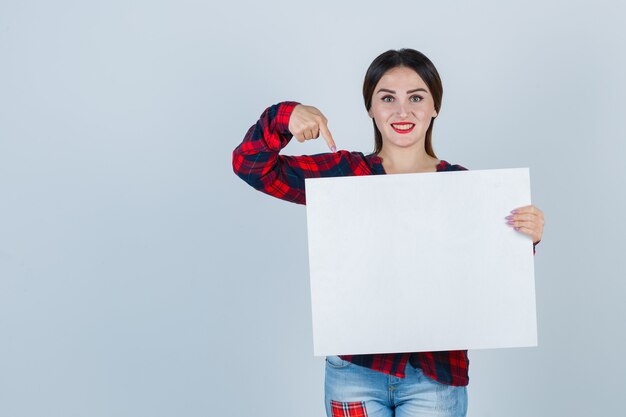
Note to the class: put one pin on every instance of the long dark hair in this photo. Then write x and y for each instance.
(415, 60)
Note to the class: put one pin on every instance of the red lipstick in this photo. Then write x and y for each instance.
(403, 131)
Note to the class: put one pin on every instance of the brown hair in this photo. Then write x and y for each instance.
(415, 60)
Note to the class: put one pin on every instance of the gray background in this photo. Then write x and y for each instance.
(140, 277)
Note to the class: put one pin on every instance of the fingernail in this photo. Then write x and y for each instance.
(510, 222)
(333, 148)
(516, 228)
(509, 217)
(514, 211)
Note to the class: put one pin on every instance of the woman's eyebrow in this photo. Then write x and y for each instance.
(393, 92)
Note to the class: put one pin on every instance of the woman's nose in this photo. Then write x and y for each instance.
(402, 112)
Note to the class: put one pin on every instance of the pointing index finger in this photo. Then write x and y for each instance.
(327, 137)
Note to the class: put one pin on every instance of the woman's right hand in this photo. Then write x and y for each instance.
(307, 122)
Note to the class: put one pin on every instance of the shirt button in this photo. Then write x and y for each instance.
(391, 388)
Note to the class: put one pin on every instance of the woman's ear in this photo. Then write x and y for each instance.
(434, 114)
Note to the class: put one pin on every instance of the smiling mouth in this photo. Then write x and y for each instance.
(403, 127)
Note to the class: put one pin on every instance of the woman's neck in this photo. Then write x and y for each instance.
(407, 160)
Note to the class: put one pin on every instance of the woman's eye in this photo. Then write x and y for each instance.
(387, 99)
(416, 99)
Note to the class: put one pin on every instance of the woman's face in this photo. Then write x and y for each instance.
(402, 108)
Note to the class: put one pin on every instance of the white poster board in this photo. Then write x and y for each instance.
(420, 262)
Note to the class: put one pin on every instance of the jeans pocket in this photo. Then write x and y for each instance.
(336, 362)
(452, 399)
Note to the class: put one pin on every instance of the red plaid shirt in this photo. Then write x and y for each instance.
(257, 161)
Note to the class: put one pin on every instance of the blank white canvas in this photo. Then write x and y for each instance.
(420, 262)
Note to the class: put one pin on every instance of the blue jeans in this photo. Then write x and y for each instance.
(353, 390)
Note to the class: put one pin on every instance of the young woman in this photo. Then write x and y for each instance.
(402, 92)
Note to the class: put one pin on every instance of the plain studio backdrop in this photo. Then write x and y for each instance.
(140, 277)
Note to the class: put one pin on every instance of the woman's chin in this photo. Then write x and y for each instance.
(408, 143)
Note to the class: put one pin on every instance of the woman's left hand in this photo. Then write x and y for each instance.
(528, 220)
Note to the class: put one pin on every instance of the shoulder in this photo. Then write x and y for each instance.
(357, 163)
(360, 164)
(446, 166)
